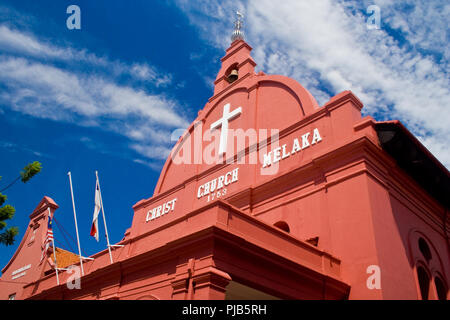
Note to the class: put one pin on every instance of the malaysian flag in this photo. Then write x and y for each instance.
(48, 238)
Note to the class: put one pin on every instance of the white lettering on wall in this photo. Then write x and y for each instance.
(216, 184)
(161, 210)
(20, 272)
(282, 152)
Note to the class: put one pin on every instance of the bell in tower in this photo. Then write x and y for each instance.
(233, 76)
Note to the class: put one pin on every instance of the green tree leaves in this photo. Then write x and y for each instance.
(7, 212)
(7, 237)
(2, 199)
(30, 170)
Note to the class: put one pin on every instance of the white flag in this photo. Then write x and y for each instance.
(94, 227)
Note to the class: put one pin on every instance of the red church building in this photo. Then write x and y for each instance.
(267, 195)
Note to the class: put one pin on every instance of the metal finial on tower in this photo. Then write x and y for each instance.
(238, 33)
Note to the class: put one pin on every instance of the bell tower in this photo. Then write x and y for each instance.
(237, 63)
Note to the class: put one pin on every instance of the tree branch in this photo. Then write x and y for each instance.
(9, 185)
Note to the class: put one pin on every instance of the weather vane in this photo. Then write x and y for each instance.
(238, 34)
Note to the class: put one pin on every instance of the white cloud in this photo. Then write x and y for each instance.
(48, 92)
(151, 165)
(326, 46)
(16, 42)
(19, 43)
(424, 23)
(38, 88)
(15, 147)
(152, 151)
(147, 73)
(210, 17)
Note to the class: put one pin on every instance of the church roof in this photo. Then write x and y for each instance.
(416, 160)
(65, 258)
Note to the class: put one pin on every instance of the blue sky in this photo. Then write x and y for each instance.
(108, 96)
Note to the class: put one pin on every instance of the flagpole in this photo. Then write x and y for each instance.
(54, 251)
(76, 224)
(104, 220)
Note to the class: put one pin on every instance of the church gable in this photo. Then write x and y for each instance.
(255, 128)
(266, 102)
(26, 264)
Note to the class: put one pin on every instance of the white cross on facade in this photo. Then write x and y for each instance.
(223, 122)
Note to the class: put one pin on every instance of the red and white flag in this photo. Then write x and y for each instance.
(94, 227)
(48, 238)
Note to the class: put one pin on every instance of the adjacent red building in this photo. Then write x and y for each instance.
(269, 196)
